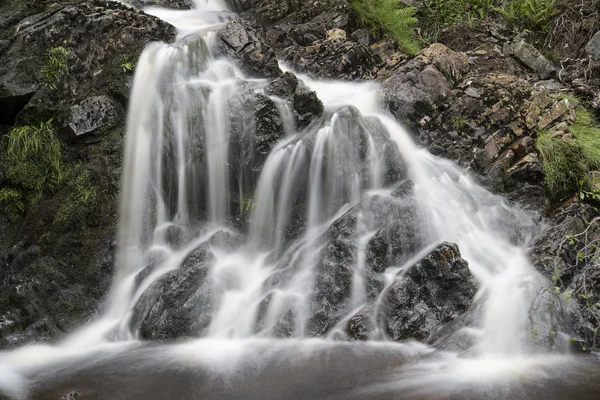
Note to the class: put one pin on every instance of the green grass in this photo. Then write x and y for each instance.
(534, 15)
(586, 132)
(32, 163)
(385, 17)
(562, 163)
(56, 66)
(566, 164)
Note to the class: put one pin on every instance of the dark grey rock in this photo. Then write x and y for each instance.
(432, 293)
(531, 57)
(92, 116)
(178, 304)
(242, 42)
(411, 93)
(304, 103)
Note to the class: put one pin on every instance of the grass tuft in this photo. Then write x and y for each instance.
(386, 17)
(32, 162)
(567, 164)
(56, 67)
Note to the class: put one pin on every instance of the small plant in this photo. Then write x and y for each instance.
(458, 122)
(591, 196)
(246, 204)
(32, 162)
(127, 65)
(56, 67)
(385, 17)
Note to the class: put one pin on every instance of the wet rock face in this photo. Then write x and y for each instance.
(178, 304)
(241, 41)
(567, 254)
(339, 256)
(433, 293)
(303, 102)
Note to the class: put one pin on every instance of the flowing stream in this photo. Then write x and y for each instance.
(191, 181)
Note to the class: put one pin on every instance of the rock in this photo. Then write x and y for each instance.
(454, 65)
(242, 42)
(531, 57)
(528, 168)
(69, 255)
(92, 116)
(362, 325)
(553, 253)
(410, 94)
(334, 58)
(303, 102)
(178, 304)
(432, 293)
(335, 271)
(558, 110)
(593, 47)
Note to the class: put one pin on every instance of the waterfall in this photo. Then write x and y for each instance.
(195, 180)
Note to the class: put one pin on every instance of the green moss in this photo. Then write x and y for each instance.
(32, 163)
(384, 17)
(56, 66)
(566, 164)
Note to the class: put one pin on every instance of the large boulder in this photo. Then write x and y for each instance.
(179, 304)
(431, 294)
(418, 88)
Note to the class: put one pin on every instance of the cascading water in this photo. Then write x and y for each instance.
(196, 176)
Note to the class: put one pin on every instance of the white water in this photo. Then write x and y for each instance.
(177, 193)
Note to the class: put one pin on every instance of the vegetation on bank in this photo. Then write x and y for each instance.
(567, 163)
(409, 25)
(56, 66)
(33, 164)
(385, 17)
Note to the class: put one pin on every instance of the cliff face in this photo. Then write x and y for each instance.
(68, 66)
